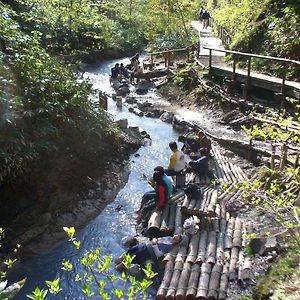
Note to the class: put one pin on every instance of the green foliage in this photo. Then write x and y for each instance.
(98, 278)
(242, 16)
(70, 27)
(53, 286)
(276, 190)
(185, 77)
(49, 111)
(38, 294)
(274, 23)
(284, 270)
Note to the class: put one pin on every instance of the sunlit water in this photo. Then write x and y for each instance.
(111, 225)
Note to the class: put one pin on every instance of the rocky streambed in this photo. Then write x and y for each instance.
(116, 220)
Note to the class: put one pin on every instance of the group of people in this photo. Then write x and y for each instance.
(122, 73)
(204, 17)
(192, 157)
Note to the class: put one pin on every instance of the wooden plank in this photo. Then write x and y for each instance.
(260, 80)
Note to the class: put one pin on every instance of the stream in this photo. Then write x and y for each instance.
(111, 225)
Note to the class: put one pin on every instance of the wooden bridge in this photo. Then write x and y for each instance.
(249, 78)
(210, 53)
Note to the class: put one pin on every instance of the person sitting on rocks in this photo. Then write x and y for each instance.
(124, 71)
(149, 251)
(156, 199)
(177, 160)
(200, 165)
(149, 196)
(187, 141)
(115, 71)
(205, 143)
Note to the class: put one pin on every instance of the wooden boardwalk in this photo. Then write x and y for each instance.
(271, 83)
(202, 267)
(212, 53)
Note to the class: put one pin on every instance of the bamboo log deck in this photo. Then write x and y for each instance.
(203, 268)
(213, 256)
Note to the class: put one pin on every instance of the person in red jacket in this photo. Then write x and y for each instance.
(159, 201)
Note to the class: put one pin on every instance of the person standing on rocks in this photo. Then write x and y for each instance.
(103, 100)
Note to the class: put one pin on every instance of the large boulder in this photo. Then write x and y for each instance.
(167, 117)
(144, 86)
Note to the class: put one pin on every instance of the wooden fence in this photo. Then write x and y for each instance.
(285, 63)
(170, 55)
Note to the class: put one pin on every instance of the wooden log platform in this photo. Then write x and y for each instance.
(203, 265)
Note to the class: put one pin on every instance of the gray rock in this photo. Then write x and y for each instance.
(144, 86)
(122, 123)
(271, 244)
(130, 100)
(167, 117)
(143, 105)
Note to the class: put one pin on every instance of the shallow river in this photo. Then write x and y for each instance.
(111, 225)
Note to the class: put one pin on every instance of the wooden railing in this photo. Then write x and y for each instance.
(169, 54)
(283, 61)
(224, 35)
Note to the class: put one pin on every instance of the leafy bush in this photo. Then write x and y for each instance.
(98, 278)
(45, 109)
(275, 24)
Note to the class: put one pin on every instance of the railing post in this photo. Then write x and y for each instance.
(250, 140)
(282, 90)
(210, 62)
(167, 59)
(170, 63)
(248, 80)
(151, 59)
(234, 70)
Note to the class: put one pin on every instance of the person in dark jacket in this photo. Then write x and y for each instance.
(143, 252)
(205, 143)
(200, 165)
(115, 71)
(205, 18)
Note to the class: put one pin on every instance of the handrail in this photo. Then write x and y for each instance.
(173, 50)
(283, 61)
(168, 53)
(255, 55)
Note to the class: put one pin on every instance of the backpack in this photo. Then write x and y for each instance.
(193, 191)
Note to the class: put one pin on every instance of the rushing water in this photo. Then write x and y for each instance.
(111, 225)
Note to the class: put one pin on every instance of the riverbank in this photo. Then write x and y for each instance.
(195, 106)
(67, 191)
